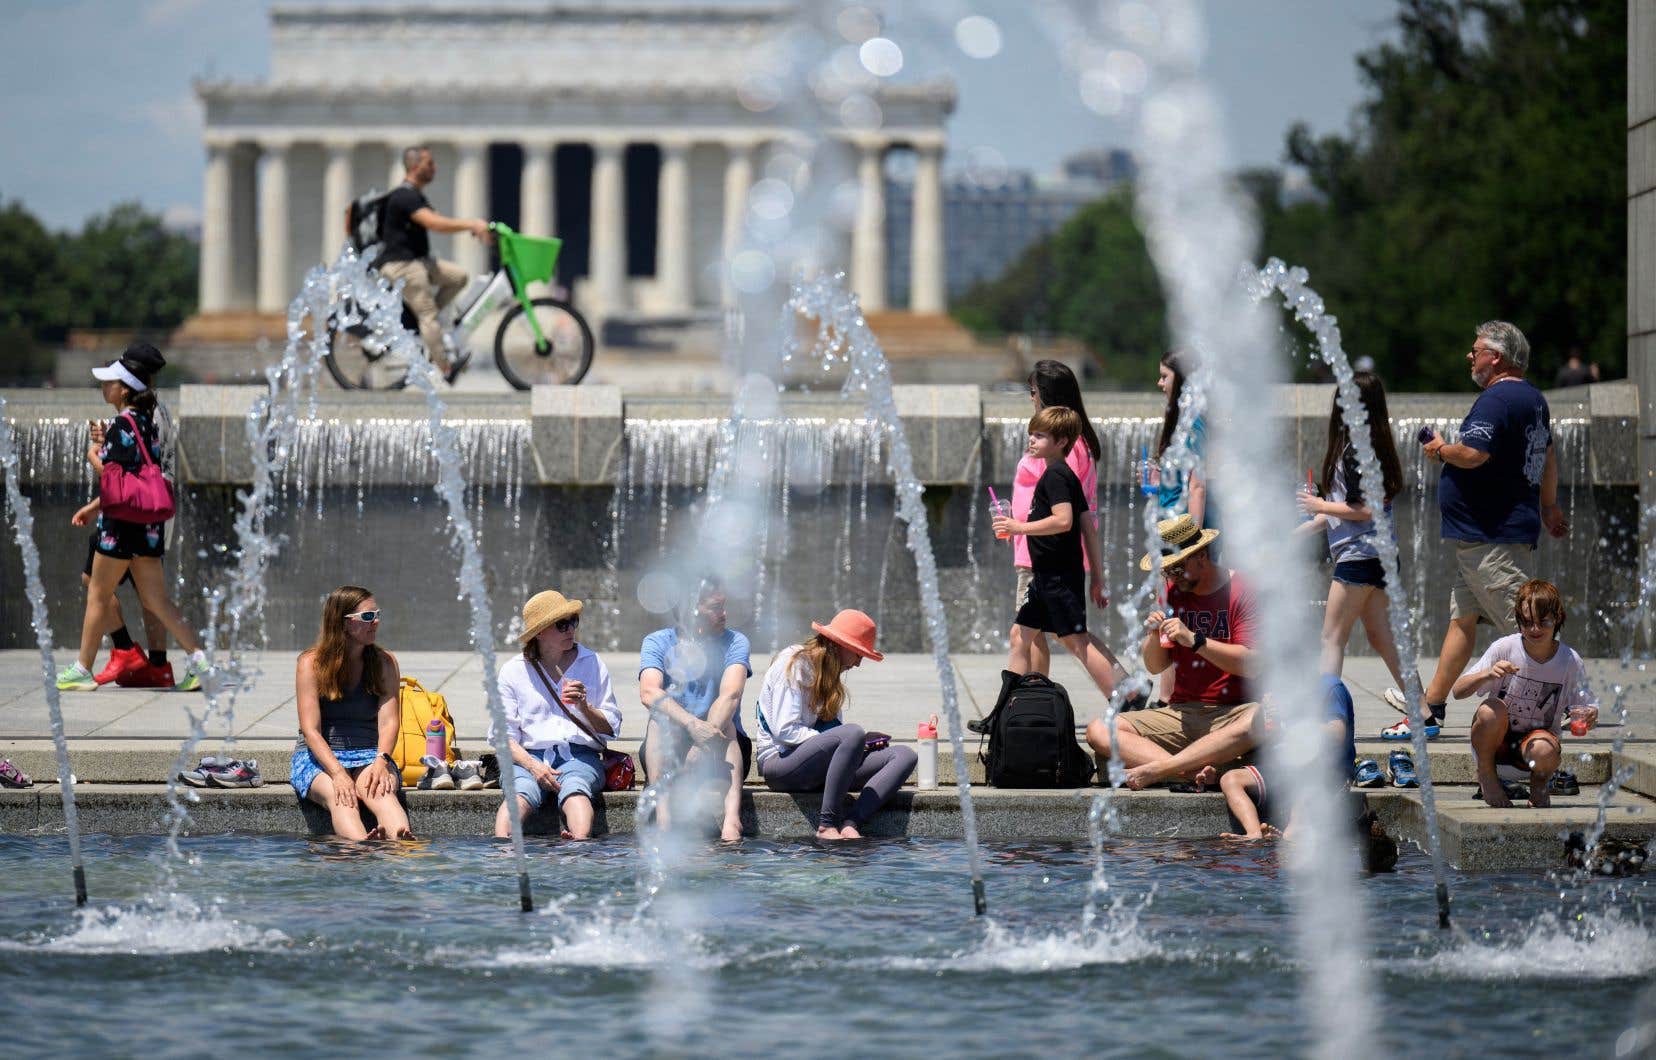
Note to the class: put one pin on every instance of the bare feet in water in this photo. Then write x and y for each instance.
(849, 831)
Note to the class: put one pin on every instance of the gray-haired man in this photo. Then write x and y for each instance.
(1499, 487)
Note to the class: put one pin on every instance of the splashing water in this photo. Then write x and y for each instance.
(843, 334)
(163, 923)
(22, 518)
(1310, 311)
(380, 306)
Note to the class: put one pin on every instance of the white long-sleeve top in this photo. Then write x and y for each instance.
(785, 714)
(537, 720)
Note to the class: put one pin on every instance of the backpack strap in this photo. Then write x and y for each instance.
(138, 434)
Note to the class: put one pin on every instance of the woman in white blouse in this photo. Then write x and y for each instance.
(560, 714)
(801, 743)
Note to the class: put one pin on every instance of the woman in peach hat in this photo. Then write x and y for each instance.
(802, 744)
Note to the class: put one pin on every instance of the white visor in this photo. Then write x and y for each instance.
(117, 370)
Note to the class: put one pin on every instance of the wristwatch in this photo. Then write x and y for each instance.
(390, 763)
(1197, 640)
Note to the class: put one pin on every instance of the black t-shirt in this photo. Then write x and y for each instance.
(400, 237)
(1057, 553)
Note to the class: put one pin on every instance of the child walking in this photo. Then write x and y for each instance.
(1345, 513)
(1057, 601)
(1531, 681)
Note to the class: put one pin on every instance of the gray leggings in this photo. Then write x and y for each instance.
(833, 762)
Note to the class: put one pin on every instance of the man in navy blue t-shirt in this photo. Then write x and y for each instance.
(1499, 488)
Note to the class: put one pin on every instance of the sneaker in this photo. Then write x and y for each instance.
(1400, 731)
(1402, 768)
(1368, 775)
(191, 680)
(12, 777)
(466, 774)
(1396, 700)
(76, 678)
(122, 661)
(457, 366)
(201, 775)
(488, 769)
(1564, 782)
(438, 777)
(977, 725)
(237, 775)
(147, 676)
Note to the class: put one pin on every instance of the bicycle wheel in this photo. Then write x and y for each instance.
(358, 363)
(563, 358)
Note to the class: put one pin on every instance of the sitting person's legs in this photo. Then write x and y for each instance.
(1489, 732)
(580, 778)
(826, 763)
(530, 795)
(1191, 737)
(419, 292)
(1538, 749)
(879, 776)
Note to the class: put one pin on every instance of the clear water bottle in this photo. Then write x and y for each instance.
(926, 775)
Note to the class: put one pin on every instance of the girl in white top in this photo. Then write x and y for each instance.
(560, 714)
(802, 745)
(1533, 681)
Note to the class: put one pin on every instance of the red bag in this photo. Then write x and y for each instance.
(619, 772)
(144, 497)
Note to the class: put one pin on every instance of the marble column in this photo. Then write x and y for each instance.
(274, 250)
(868, 242)
(471, 200)
(673, 230)
(244, 226)
(214, 292)
(609, 229)
(928, 291)
(395, 171)
(336, 196)
(536, 215)
(738, 178)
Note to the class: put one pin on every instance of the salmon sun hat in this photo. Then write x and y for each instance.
(853, 630)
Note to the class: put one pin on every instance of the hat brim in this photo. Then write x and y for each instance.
(568, 609)
(851, 645)
(116, 372)
(1149, 563)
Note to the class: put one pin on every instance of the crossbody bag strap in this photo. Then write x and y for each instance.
(571, 714)
(138, 434)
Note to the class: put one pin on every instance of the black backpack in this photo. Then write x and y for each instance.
(364, 217)
(1031, 735)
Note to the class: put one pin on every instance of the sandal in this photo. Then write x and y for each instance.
(12, 777)
(1368, 775)
(1400, 730)
(1564, 782)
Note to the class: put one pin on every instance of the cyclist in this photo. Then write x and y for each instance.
(429, 283)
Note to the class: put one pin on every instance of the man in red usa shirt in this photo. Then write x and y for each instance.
(1207, 636)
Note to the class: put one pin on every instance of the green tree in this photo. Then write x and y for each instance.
(125, 270)
(1093, 281)
(32, 299)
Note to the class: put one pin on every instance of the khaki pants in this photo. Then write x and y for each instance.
(1178, 725)
(429, 284)
(1487, 577)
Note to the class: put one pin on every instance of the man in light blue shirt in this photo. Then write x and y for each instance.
(690, 677)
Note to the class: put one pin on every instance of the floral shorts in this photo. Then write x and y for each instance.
(119, 539)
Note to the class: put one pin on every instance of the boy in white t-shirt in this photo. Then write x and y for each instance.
(1533, 680)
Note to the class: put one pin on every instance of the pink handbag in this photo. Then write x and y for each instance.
(144, 497)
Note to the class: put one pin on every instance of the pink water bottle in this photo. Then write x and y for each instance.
(435, 742)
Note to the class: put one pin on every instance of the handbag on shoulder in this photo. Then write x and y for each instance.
(619, 771)
(144, 496)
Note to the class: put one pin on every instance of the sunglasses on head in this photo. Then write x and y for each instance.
(564, 625)
(366, 616)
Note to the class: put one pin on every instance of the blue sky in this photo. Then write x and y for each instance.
(100, 107)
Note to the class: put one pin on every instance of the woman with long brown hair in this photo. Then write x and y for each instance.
(349, 720)
(1345, 512)
(802, 744)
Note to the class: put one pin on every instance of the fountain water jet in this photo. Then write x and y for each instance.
(1309, 310)
(23, 527)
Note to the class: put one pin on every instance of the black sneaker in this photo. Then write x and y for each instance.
(457, 366)
(978, 725)
(488, 768)
(1564, 783)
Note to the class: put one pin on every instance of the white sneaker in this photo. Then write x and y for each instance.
(467, 775)
(1396, 700)
(438, 777)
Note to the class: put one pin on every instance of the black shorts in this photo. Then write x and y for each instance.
(119, 539)
(1361, 572)
(1511, 751)
(92, 550)
(1057, 604)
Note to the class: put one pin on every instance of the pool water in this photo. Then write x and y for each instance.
(289, 945)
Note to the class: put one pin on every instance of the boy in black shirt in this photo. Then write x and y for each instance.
(1057, 601)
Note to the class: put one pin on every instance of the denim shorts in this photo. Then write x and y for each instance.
(303, 770)
(1361, 572)
(582, 773)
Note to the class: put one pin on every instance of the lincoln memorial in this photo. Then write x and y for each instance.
(631, 129)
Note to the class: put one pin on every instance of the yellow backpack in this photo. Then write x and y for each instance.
(418, 708)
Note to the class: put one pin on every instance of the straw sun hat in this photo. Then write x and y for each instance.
(543, 609)
(1180, 539)
(853, 630)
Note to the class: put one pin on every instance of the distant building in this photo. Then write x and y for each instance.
(987, 225)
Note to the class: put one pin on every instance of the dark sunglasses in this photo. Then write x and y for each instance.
(564, 625)
(367, 616)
